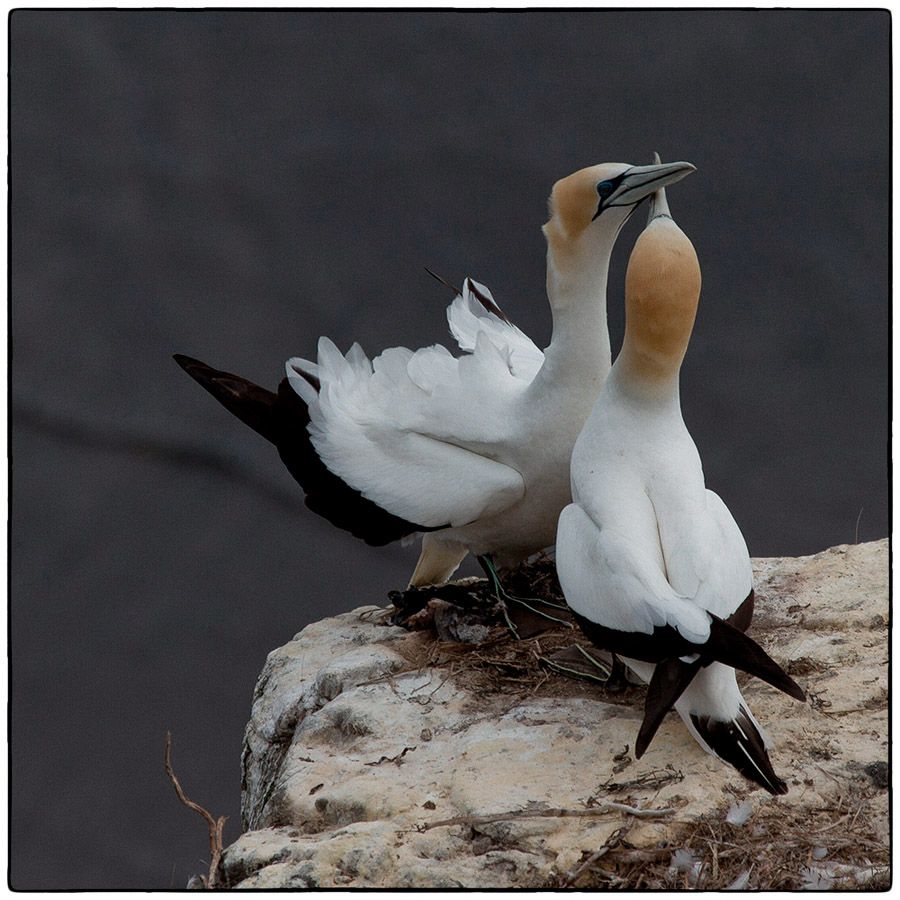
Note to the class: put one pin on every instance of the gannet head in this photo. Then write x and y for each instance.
(662, 290)
(593, 203)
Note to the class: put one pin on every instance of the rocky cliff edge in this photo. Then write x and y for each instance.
(382, 757)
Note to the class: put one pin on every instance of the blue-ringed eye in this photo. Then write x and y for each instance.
(605, 188)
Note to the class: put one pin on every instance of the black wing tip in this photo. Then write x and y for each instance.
(774, 785)
(199, 370)
(310, 379)
(188, 362)
(249, 402)
(780, 787)
(326, 494)
(487, 303)
(669, 681)
(731, 646)
(282, 418)
(443, 281)
(483, 299)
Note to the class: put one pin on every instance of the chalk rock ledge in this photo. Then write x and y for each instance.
(363, 735)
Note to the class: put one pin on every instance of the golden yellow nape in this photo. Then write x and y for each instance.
(662, 289)
(574, 200)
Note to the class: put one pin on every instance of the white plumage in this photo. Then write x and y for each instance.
(477, 446)
(649, 557)
(472, 451)
(412, 431)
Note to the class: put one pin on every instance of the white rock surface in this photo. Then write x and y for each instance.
(354, 744)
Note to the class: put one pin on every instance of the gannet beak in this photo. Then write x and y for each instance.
(659, 205)
(639, 181)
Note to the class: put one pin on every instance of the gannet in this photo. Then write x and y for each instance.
(650, 561)
(472, 451)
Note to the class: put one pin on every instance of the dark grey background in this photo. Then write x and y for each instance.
(232, 185)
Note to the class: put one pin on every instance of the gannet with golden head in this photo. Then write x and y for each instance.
(472, 451)
(651, 562)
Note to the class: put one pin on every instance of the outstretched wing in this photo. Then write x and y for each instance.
(422, 434)
(282, 418)
(474, 312)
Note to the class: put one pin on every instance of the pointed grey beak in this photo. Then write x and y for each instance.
(639, 181)
(659, 205)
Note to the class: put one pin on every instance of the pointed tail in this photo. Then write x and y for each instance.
(738, 742)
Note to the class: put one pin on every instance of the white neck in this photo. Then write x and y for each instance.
(579, 350)
(640, 407)
(630, 381)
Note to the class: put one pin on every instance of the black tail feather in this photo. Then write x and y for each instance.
(670, 680)
(739, 743)
(732, 647)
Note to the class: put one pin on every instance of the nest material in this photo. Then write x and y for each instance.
(778, 848)
(461, 629)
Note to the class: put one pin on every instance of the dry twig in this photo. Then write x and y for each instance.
(612, 841)
(215, 825)
(552, 813)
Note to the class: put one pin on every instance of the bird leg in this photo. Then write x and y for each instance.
(503, 596)
(617, 681)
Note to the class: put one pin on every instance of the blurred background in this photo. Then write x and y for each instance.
(231, 185)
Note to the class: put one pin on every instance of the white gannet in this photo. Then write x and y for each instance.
(472, 451)
(650, 561)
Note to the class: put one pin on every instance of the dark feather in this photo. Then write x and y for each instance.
(282, 418)
(726, 644)
(669, 681)
(309, 379)
(740, 744)
(487, 303)
(743, 615)
(253, 405)
(732, 647)
(443, 281)
(483, 299)
(671, 678)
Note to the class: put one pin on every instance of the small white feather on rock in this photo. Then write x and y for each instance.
(740, 883)
(739, 813)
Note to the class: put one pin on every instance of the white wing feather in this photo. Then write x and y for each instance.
(468, 319)
(615, 582)
(706, 555)
(405, 429)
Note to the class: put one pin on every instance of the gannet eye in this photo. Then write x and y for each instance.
(604, 189)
